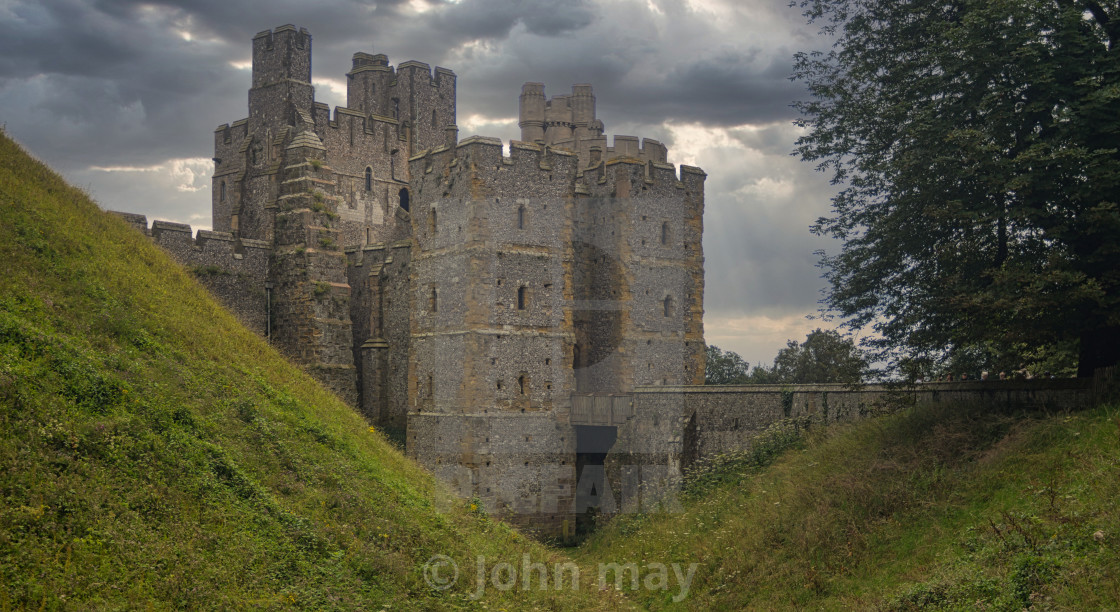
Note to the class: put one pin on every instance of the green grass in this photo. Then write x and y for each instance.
(934, 508)
(155, 452)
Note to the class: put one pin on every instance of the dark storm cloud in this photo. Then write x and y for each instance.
(125, 83)
(648, 68)
(475, 19)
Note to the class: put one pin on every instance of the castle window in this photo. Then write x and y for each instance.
(665, 233)
(668, 305)
(433, 117)
(521, 217)
(433, 300)
(431, 386)
(403, 195)
(372, 89)
(223, 192)
(369, 235)
(432, 222)
(522, 385)
(396, 108)
(369, 178)
(522, 297)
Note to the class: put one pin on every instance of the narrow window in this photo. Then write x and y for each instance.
(521, 217)
(668, 304)
(403, 195)
(369, 235)
(433, 117)
(665, 233)
(431, 386)
(433, 301)
(575, 357)
(223, 190)
(369, 178)
(372, 89)
(521, 385)
(432, 222)
(396, 108)
(522, 297)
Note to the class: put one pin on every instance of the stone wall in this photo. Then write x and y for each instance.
(520, 466)
(708, 420)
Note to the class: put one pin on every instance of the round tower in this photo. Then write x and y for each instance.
(531, 115)
(583, 110)
(558, 119)
(367, 83)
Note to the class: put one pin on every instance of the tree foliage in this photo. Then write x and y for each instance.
(824, 357)
(976, 146)
(725, 367)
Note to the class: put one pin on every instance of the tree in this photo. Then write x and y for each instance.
(977, 146)
(724, 368)
(728, 368)
(824, 357)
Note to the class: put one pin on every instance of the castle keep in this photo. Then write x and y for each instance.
(496, 309)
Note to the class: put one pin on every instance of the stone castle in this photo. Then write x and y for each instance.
(529, 324)
(496, 310)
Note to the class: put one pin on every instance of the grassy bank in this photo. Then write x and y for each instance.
(936, 508)
(154, 451)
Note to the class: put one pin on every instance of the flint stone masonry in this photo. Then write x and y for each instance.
(455, 296)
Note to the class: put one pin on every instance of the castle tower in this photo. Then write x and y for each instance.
(531, 114)
(558, 119)
(583, 111)
(249, 153)
(367, 85)
(281, 77)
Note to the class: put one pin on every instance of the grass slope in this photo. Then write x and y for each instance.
(934, 508)
(156, 452)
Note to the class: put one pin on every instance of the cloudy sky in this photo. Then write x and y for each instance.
(122, 97)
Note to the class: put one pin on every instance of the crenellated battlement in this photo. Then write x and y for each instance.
(485, 155)
(180, 239)
(281, 54)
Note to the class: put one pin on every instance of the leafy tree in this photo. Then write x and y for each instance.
(728, 368)
(724, 368)
(824, 357)
(977, 143)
